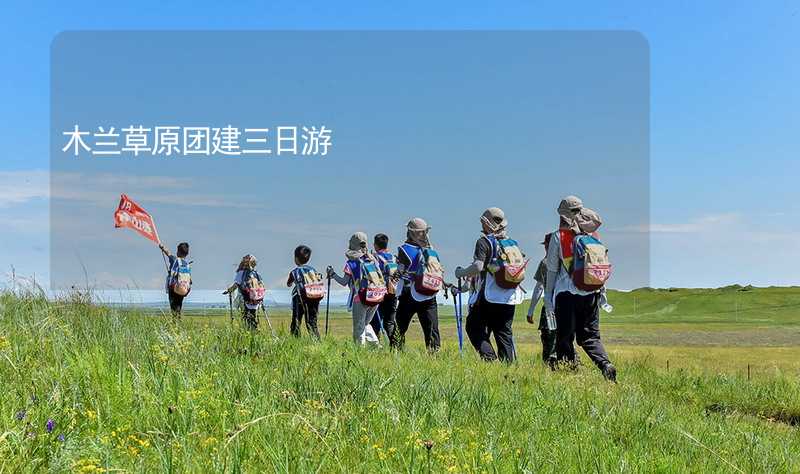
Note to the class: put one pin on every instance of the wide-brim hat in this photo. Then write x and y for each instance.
(495, 218)
(418, 224)
(357, 246)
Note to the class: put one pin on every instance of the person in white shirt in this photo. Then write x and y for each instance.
(577, 312)
(491, 307)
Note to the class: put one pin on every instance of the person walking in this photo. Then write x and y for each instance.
(359, 263)
(423, 278)
(387, 310)
(547, 325)
(576, 310)
(499, 266)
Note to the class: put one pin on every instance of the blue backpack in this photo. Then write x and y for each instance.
(369, 282)
(426, 269)
(309, 283)
(180, 277)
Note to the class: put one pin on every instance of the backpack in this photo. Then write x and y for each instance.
(591, 267)
(507, 263)
(309, 283)
(388, 266)
(180, 277)
(369, 282)
(429, 275)
(252, 288)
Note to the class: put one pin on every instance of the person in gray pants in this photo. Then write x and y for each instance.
(362, 313)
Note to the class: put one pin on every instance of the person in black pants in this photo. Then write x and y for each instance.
(302, 307)
(428, 315)
(577, 312)
(492, 312)
(578, 319)
(175, 300)
(249, 284)
(308, 309)
(486, 319)
(410, 301)
(385, 317)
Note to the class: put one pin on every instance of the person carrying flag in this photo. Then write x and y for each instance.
(179, 280)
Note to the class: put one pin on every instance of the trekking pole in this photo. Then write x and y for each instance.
(457, 303)
(380, 324)
(328, 304)
(269, 323)
(230, 306)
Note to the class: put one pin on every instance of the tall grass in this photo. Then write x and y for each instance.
(126, 391)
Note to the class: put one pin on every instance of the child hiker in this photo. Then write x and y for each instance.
(179, 277)
(308, 290)
(251, 289)
(367, 287)
(387, 263)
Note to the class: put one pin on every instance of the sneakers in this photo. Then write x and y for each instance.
(610, 373)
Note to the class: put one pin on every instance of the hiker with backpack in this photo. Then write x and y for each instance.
(422, 277)
(251, 290)
(547, 322)
(577, 270)
(179, 277)
(308, 289)
(387, 310)
(498, 265)
(367, 287)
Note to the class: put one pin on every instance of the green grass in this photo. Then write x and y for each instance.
(711, 330)
(134, 392)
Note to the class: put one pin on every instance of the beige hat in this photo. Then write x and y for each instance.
(588, 220)
(494, 220)
(567, 209)
(357, 246)
(417, 232)
(418, 224)
(571, 203)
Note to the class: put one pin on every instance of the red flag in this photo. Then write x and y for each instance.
(131, 215)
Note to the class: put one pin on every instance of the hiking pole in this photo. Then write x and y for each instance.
(269, 323)
(328, 304)
(230, 306)
(457, 303)
(380, 324)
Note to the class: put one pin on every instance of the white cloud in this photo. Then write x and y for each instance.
(102, 189)
(29, 224)
(18, 187)
(703, 224)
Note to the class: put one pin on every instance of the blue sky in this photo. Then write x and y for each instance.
(724, 108)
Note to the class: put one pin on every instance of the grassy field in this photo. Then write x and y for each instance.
(719, 330)
(94, 389)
